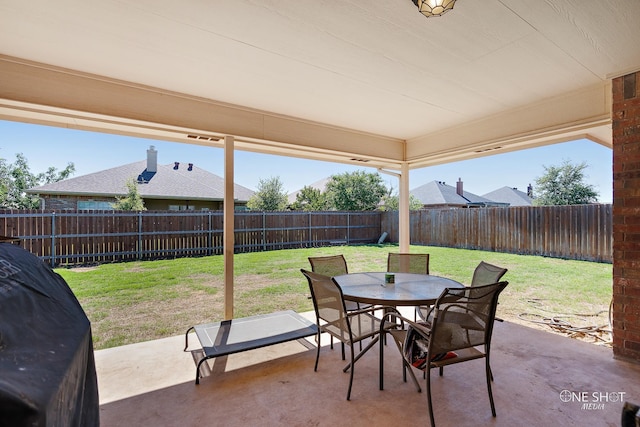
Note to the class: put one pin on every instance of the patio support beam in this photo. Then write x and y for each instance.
(228, 225)
(404, 237)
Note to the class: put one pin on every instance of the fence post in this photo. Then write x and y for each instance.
(209, 234)
(53, 240)
(264, 232)
(139, 235)
(348, 227)
(309, 238)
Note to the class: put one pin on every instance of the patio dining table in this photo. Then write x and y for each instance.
(408, 289)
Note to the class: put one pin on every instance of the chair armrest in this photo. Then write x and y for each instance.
(421, 328)
(429, 312)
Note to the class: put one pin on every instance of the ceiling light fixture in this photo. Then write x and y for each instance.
(431, 8)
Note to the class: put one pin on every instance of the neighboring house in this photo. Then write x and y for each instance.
(512, 196)
(318, 185)
(437, 194)
(176, 186)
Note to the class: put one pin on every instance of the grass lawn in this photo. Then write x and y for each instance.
(140, 301)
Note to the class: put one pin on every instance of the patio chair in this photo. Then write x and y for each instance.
(332, 318)
(408, 263)
(461, 329)
(483, 274)
(334, 265)
(331, 265)
(486, 273)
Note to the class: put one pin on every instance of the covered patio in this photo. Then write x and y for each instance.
(367, 83)
(152, 383)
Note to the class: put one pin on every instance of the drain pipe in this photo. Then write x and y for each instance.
(397, 175)
(403, 206)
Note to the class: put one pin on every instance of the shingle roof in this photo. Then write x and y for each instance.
(439, 193)
(166, 183)
(513, 196)
(318, 185)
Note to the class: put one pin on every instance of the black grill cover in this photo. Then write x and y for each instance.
(47, 369)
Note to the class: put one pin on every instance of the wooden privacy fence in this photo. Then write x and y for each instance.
(582, 232)
(73, 238)
(89, 237)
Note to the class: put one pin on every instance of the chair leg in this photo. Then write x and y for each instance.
(489, 379)
(406, 367)
(315, 368)
(352, 365)
(374, 340)
(360, 342)
(486, 351)
(381, 359)
(428, 374)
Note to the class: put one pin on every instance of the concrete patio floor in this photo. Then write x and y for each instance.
(153, 384)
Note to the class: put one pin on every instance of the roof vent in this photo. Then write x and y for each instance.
(190, 168)
(203, 137)
(482, 150)
(176, 165)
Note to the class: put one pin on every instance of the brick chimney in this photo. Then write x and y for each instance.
(459, 189)
(152, 159)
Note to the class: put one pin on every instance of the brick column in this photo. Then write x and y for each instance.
(626, 217)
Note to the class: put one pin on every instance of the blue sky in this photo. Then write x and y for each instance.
(46, 146)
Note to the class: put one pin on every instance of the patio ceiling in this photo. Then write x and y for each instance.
(361, 82)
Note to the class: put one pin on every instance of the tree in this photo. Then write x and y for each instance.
(269, 197)
(563, 185)
(16, 177)
(356, 191)
(310, 199)
(132, 201)
(391, 202)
